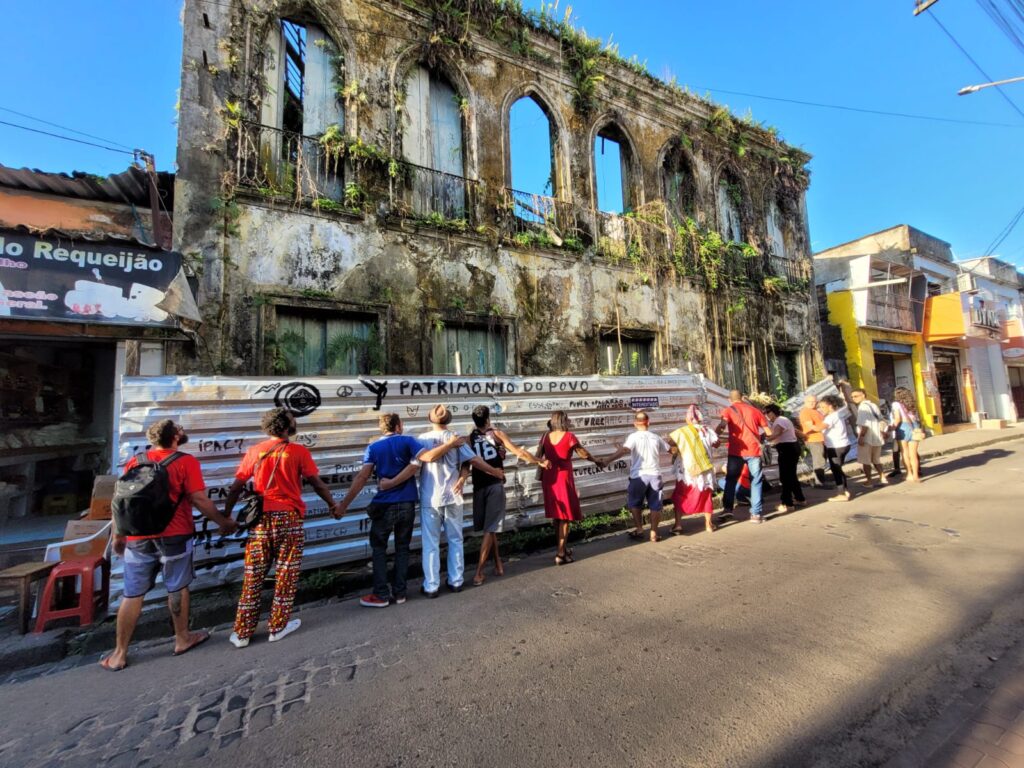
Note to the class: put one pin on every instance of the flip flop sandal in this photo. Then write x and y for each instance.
(656, 538)
(676, 531)
(204, 636)
(636, 535)
(479, 580)
(103, 663)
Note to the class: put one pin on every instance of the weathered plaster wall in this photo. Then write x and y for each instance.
(253, 254)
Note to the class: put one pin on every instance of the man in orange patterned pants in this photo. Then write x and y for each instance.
(277, 468)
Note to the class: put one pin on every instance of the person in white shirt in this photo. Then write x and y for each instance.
(645, 449)
(871, 436)
(441, 498)
(783, 437)
(837, 442)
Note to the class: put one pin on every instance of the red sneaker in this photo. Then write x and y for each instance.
(372, 601)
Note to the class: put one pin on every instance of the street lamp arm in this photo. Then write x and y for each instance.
(974, 88)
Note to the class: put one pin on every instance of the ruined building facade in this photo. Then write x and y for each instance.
(345, 197)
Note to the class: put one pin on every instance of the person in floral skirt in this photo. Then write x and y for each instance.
(277, 468)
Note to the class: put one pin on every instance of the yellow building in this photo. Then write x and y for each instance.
(875, 290)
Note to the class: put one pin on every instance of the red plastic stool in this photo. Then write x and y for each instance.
(88, 598)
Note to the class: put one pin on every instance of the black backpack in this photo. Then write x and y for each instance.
(142, 504)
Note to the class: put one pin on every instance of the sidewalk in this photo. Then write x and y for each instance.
(217, 606)
(984, 729)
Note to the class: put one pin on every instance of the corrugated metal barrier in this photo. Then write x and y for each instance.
(338, 418)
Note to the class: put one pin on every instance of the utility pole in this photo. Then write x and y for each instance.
(923, 5)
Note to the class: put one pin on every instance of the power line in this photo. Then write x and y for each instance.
(844, 108)
(1005, 232)
(64, 127)
(986, 75)
(1010, 26)
(66, 138)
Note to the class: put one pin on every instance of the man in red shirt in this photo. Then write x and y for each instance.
(169, 552)
(277, 468)
(745, 424)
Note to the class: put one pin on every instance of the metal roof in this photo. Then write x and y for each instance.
(130, 186)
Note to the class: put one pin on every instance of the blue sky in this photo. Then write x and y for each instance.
(119, 71)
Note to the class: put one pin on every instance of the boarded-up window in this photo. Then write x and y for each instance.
(785, 374)
(634, 359)
(304, 73)
(734, 369)
(321, 344)
(470, 350)
(728, 197)
(680, 187)
(773, 222)
(432, 140)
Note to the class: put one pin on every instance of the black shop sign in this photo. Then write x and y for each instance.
(68, 280)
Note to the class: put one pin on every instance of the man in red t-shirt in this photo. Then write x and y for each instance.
(744, 423)
(169, 552)
(277, 468)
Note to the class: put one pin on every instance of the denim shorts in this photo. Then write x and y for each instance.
(643, 489)
(145, 558)
(905, 432)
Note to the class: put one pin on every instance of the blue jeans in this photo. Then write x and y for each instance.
(742, 494)
(398, 517)
(733, 469)
(431, 521)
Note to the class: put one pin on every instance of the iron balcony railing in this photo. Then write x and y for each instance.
(985, 318)
(283, 164)
(528, 218)
(794, 271)
(891, 310)
(436, 196)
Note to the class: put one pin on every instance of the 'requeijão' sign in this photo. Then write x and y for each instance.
(49, 277)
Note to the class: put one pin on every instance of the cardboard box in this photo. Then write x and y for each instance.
(102, 493)
(96, 546)
(993, 424)
(59, 504)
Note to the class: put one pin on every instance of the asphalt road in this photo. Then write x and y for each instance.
(826, 637)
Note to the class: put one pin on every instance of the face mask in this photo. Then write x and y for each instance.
(182, 438)
(292, 429)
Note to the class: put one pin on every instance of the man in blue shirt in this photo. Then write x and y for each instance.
(392, 510)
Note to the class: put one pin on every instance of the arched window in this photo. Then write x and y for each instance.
(728, 201)
(679, 184)
(305, 75)
(283, 155)
(776, 238)
(532, 197)
(432, 144)
(612, 161)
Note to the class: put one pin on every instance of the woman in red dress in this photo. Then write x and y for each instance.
(561, 502)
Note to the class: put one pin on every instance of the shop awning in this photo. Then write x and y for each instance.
(892, 347)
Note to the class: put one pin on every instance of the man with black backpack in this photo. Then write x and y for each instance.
(153, 530)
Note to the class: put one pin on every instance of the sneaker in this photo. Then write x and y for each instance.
(883, 480)
(429, 595)
(895, 473)
(782, 508)
(401, 600)
(238, 642)
(372, 601)
(756, 519)
(453, 588)
(290, 627)
(743, 502)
